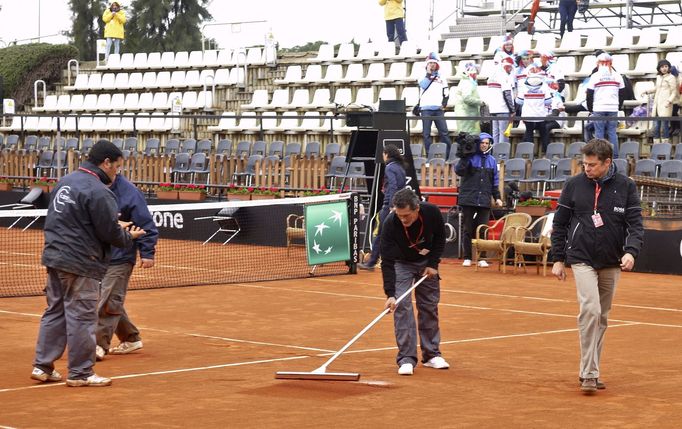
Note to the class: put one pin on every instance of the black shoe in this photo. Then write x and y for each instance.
(600, 384)
(364, 266)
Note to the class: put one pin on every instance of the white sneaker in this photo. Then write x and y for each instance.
(126, 347)
(94, 380)
(466, 263)
(437, 363)
(483, 264)
(99, 353)
(40, 375)
(406, 369)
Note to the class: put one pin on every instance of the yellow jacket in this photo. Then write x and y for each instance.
(114, 24)
(393, 9)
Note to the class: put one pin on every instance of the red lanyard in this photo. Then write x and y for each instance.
(597, 191)
(88, 171)
(421, 231)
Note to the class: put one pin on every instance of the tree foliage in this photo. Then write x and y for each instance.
(87, 26)
(166, 25)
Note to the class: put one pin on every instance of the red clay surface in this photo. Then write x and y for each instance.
(211, 353)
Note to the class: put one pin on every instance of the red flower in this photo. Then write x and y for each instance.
(251, 189)
(177, 186)
(202, 186)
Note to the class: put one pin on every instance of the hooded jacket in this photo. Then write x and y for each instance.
(114, 22)
(133, 208)
(480, 179)
(575, 239)
(393, 9)
(467, 103)
(82, 224)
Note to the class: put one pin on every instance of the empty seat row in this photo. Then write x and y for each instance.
(183, 60)
(288, 122)
(373, 51)
(190, 100)
(153, 80)
(128, 122)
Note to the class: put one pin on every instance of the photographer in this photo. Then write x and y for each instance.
(114, 18)
(432, 101)
(478, 169)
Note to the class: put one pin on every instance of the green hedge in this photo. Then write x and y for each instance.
(21, 66)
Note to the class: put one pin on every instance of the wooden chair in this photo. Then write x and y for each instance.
(533, 241)
(500, 245)
(295, 230)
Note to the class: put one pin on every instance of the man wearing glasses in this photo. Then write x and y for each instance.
(412, 242)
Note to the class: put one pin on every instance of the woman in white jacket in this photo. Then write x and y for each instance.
(665, 94)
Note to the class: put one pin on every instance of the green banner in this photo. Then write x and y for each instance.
(326, 233)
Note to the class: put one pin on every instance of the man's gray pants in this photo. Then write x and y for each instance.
(596, 289)
(69, 320)
(427, 296)
(112, 314)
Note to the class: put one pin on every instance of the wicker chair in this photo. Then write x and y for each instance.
(295, 230)
(533, 241)
(500, 245)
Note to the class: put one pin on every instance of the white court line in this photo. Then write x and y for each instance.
(16, 313)
(236, 340)
(6, 427)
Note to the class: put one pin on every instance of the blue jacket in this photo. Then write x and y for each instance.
(480, 180)
(394, 180)
(82, 224)
(132, 207)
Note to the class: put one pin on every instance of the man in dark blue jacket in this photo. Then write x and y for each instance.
(598, 230)
(113, 317)
(480, 181)
(80, 228)
(412, 242)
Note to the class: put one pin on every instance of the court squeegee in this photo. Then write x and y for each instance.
(321, 372)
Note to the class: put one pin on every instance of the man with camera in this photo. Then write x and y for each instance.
(432, 101)
(478, 169)
(114, 19)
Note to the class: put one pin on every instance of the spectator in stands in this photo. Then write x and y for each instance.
(80, 228)
(665, 94)
(556, 108)
(394, 180)
(535, 99)
(597, 229)
(546, 62)
(394, 15)
(567, 10)
(605, 95)
(114, 19)
(412, 244)
(113, 317)
(433, 99)
(468, 100)
(523, 60)
(479, 184)
(501, 100)
(504, 51)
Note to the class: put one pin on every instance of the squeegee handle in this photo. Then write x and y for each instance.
(372, 323)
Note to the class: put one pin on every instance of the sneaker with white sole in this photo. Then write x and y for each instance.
(437, 362)
(406, 369)
(40, 375)
(94, 380)
(466, 263)
(99, 353)
(483, 264)
(126, 347)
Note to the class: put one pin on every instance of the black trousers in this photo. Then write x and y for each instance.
(472, 217)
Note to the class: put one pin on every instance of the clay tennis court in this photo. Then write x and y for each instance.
(211, 353)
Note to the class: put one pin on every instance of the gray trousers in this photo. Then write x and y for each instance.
(427, 296)
(112, 314)
(596, 289)
(69, 320)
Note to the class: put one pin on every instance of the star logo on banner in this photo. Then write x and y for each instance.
(329, 249)
(316, 247)
(337, 216)
(320, 228)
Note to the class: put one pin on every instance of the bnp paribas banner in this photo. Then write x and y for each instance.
(326, 233)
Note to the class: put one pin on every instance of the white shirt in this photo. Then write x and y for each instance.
(499, 82)
(605, 84)
(536, 100)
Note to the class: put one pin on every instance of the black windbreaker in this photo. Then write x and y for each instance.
(575, 239)
(82, 224)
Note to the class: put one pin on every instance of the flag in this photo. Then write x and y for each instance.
(326, 233)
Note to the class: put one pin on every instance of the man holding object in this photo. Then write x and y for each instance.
(598, 230)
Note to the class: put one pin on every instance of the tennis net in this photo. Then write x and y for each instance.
(209, 243)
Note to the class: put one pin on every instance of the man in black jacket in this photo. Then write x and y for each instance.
(412, 242)
(80, 228)
(597, 229)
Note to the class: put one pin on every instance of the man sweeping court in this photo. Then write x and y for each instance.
(412, 243)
